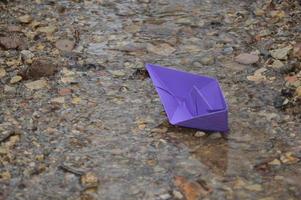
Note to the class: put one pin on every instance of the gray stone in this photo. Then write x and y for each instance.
(207, 60)
(199, 134)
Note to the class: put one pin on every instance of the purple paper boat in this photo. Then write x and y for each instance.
(190, 100)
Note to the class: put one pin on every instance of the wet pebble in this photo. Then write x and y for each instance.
(10, 42)
(177, 194)
(41, 67)
(199, 134)
(161, 49)
(165, 196)
(281, 53)
(289, 158)
(65, 45)
(35, 85)
(192, 190)
(10, 90)
(228, 50)
(117, 73)
(207, 60)
(2, 72)
(47, 29)
(298, 91)
(89, 179)
(280, 102)
(277, 64)
(15, 79)
(64, 91)
(275, 162)
(246, 58)
(58, 100)
(254, 187)
(25, 19)
(215, 136)
(297, 50)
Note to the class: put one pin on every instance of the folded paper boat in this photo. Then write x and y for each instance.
(190, 100)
